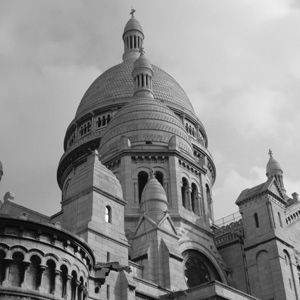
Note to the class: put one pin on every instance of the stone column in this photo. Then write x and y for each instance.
(6, 273)
(40, 287)
(57, 290)
(25, 265)
(68, 288)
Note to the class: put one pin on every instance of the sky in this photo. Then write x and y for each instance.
(238, 61)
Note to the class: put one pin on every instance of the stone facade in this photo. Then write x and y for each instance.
(136, 219)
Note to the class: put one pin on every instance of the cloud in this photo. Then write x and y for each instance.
(233, 184)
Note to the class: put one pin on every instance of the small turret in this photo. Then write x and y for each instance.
(274, 170)
(133, 38)
(142, 75)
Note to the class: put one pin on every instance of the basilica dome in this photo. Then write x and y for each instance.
(115, 86)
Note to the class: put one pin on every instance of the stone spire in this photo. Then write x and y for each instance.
(142, 75)
(133, 38)
(274, 170)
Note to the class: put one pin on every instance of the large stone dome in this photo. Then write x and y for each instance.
(116, 85)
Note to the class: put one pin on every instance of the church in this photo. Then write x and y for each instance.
(136, 218)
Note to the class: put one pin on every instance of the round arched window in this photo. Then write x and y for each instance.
(198, 269)
(195, 272)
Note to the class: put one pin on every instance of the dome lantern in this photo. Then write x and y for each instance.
(133, 38)
(142, 74)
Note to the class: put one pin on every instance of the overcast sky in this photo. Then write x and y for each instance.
(238, 61)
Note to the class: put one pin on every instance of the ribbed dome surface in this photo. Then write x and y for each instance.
(116, 86)
(144, 120)
(154, 200)
(142, 62)
(153, 190)
(133, 24)
(273, 166)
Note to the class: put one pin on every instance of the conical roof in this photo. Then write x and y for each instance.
(154, 200)
(133, 24)
(142, 62)
(273, 166)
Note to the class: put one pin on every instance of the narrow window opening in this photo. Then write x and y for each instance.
(64, 278)
(160, 177)
(108, 214)
(256, 220)
(194, 198)
(142, 181)
(279, 219)
(184, 192)
(143, 84)
(108, 292)
(108, 256)
(148, 143)
(98, 122)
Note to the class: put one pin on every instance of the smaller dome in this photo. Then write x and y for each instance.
(142, 63)
(154, 200)
(133, 24)
(144, 122)
(273, 166)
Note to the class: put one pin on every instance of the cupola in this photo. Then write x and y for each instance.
(133, 38)
(142, 75)
(274, 170)
(154, 200)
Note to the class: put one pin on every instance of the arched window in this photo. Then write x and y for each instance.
(64, 277)
(160, 177)
(256, 220)
(185, 192)
(49, 275)
(194, 199)
(34, 273)
(198, 269)
(265, 278)
(16, 270)
(80, 289)
(2, 266)
(73, 285)
(142, 181)
(108, 214)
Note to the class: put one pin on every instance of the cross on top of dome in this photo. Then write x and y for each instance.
(132, 12)
(270, 153)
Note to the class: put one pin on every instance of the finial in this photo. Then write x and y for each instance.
(152, 173)
(270, 153)
(141, 50)
(132, 12)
